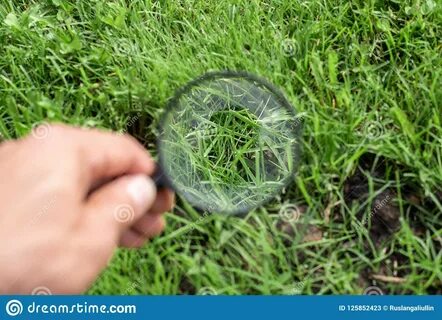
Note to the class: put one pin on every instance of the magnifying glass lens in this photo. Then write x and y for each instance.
(228, 142)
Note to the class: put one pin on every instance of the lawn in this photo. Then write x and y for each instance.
(364, 212)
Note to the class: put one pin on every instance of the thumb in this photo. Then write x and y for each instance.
(118, 204)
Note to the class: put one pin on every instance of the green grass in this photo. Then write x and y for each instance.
(366, 77)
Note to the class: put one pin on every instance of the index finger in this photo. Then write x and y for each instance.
(106, 155)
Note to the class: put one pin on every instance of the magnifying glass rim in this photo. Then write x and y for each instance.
(214, 75)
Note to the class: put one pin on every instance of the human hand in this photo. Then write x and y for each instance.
(68, 198)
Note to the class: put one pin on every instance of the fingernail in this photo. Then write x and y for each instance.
(142, 191)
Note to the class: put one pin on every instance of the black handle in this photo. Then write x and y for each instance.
(160, 179)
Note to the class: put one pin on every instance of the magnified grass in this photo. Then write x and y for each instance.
(228, 144)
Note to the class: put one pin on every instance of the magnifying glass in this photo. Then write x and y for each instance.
(228, 142)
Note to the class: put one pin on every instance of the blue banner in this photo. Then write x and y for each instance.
(221, 307)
